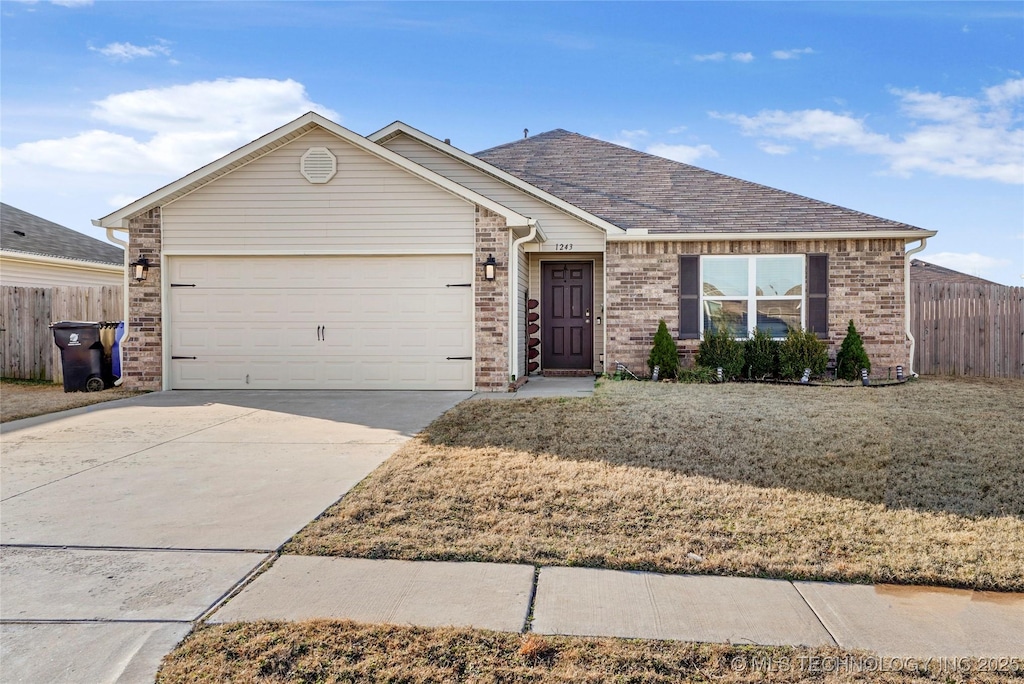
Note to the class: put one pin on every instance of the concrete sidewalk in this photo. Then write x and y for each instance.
(892, 621)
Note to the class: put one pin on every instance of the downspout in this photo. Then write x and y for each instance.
(513, 284)
(906, 299)
(124, 297)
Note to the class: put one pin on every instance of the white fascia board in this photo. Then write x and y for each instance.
(60, 261)
(644, 236)
(119, 218)
(398, 127)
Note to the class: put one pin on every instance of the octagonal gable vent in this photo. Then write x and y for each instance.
(318, 165)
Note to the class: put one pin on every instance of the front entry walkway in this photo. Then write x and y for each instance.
(540, 386)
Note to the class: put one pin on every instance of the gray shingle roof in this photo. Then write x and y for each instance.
(924, 272)
(21, 231)
(636, 190)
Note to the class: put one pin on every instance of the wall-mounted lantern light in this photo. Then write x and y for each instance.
(490, 267)
(140, 269)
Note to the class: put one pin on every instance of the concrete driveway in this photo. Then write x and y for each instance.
(124, 522)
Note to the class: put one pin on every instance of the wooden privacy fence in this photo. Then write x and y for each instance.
(27, 350)
(967, 329)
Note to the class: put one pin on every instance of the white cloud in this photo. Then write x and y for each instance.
(973, 263)
(676, 130)
(627, 138)
(957, 136)
(792, 54)
(188, 126)
(721, 56)
(125, 52)
(61, 3)
(687, 154)
(121, 200)
(774, 148)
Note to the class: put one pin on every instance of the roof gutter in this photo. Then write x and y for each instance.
(513, 291)
(60, 261)
(641, 235)
(906, 299)
(124, 300)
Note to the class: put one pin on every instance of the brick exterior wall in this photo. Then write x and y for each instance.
(143, 350)
(865, 284)
(492, 312)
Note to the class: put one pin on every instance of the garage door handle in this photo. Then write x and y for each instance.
(183, 285)
(459, 358)
(459, 285)
(318, 328)
(183, 357)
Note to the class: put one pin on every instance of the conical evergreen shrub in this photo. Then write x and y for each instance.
(664, 353)
(852, 357)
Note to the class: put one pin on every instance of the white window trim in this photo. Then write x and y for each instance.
(751, 298)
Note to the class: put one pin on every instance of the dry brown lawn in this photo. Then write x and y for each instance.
(916, 484)
(326, 651)
(24, 399)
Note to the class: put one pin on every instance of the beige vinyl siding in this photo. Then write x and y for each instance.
(27, 274)
(370, 206)
(560, 228)
(537, 293)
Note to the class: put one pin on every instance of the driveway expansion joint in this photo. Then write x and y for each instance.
(239, 586)
(90, 621)
(159, 549)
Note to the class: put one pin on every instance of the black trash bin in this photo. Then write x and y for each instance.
(81, 355)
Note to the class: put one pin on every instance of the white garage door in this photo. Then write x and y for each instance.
(403, 322)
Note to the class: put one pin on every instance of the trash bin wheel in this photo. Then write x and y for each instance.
(94, 384)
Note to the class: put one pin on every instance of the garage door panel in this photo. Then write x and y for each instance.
(321, 322)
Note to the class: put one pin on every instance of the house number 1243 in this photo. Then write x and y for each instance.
(563, 246)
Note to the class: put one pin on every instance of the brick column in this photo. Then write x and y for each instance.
(143, 348)
(491, 302)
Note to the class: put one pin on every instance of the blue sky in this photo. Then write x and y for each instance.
(910, 111)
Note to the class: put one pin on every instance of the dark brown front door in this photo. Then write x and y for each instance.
(567, 321)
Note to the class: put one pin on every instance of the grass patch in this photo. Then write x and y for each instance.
(27, 398)
(917, 484)
(332, 651)
(344, 651)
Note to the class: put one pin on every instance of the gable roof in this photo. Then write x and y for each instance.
(398, 128)
(648, 194)
(29, 234)
(280, 137)
(925, 272)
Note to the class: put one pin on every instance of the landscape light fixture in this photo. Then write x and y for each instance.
(490, 267)
(140, 269)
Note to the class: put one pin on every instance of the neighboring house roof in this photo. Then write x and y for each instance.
(924, 272)
(643, 192)
(280, 137)
(27, 233)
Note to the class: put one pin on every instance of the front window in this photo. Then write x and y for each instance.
(744, 293)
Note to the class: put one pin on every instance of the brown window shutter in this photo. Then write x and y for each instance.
(689, 297)
(817, 294)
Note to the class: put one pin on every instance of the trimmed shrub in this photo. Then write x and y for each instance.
(852, 357)
(664, 352)
(761, 355)
(720, 349)
(801, 349)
